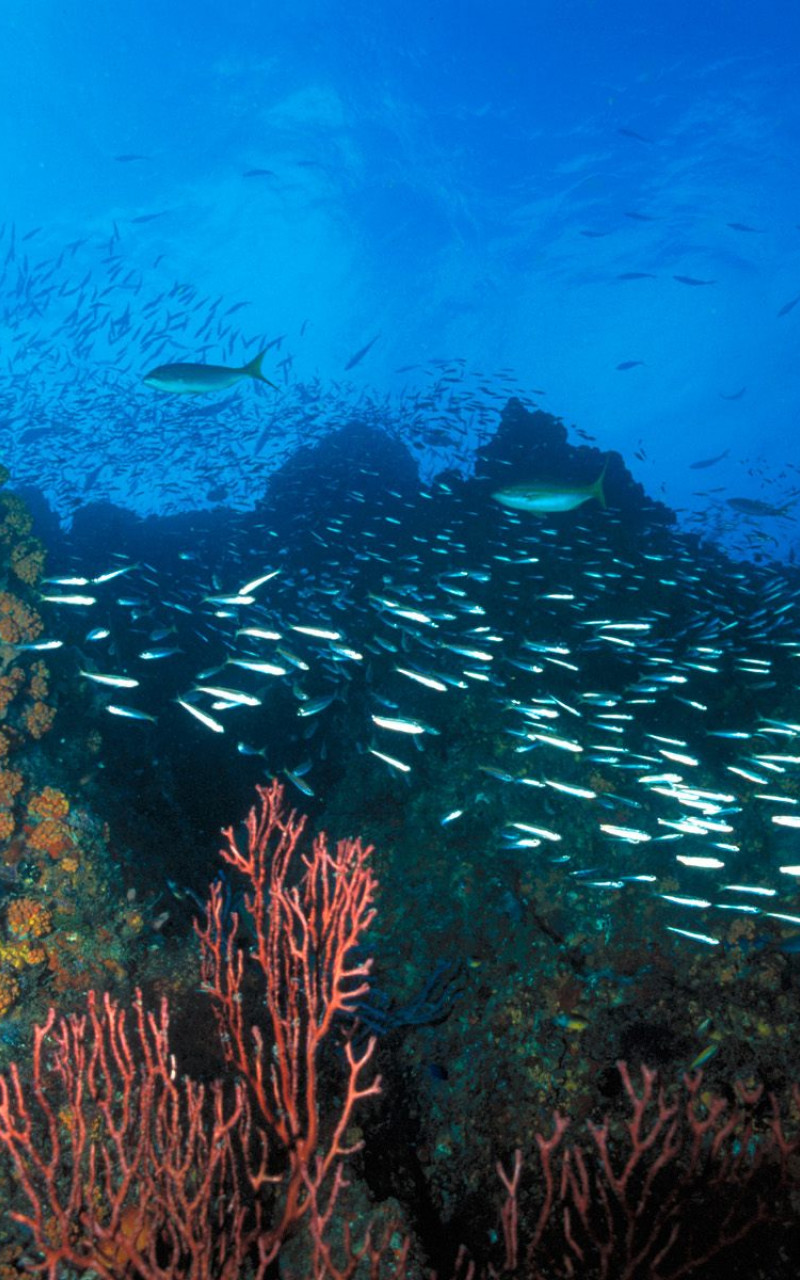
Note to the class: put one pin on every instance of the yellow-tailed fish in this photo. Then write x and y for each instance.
(542, 498)
(199, 379)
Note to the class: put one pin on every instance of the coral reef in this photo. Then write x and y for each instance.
(64, 913)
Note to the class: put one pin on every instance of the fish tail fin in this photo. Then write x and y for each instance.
(253, 370)
(597, 490)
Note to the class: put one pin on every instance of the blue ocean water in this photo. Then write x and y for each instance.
(490, 558)
(523, 187)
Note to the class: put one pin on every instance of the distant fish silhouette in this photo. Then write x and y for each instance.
(637, 137)
(129, 158)
(259, 173)
(755, 507)
(742, 226)
(629, 364)
(708, 462)
(737, 395)
(359, 355)
(789, 306)
(637, 275)
(692, 280)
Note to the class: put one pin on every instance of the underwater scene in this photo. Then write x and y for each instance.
(399, 640)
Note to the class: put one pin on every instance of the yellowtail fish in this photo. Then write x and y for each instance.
(542, 498)
(199, 379)
(756, 507)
